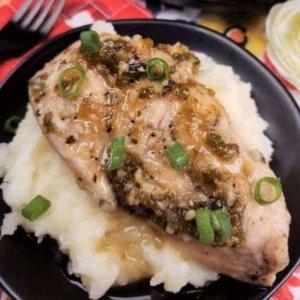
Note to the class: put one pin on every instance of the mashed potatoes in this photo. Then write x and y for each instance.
(108, 249)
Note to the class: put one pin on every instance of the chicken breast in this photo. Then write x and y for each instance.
(83, 102)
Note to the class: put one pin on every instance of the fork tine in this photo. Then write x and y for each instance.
(32, 14)
(20, 13)
(41, 18)
(50, 22)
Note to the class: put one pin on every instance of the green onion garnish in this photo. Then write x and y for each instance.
(257, 190)
(90, 41)
(117, 153)
(204, 226)
(70, 81)
(10, 125)
(157, 69)
(35, 208)
(211, 221)
(221, 223)
(177, 156)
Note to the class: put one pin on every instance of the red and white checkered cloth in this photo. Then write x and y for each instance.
(81, 12)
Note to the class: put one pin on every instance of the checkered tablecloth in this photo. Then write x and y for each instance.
(248, 32)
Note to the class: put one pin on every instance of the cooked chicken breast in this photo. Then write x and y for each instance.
(108, 95)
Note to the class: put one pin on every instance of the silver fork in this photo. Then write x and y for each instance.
(28, 27)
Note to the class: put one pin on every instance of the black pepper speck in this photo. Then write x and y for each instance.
(70, 139)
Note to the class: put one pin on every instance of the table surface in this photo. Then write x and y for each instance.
(248, 31)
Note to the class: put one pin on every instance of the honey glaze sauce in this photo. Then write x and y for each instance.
(128, 240)
(150, 116)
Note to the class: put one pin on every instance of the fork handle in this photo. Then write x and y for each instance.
(11, 42)
(10, 49)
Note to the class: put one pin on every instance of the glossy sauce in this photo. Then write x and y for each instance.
(119, 100)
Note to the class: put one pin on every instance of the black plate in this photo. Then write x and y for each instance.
(34, 272)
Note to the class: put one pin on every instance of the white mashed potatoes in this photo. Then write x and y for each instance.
(110, 249)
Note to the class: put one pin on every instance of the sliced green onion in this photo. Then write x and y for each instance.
(177, 156)
(90, 41)
(221, 223)
(70, 81)
(204, 226)
(157, 69)
(10, 124)
(117, 153)
(35, 208)
(208, 222)
(257, 190)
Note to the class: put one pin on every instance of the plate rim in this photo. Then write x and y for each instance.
(183, 23)
(187, 25)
